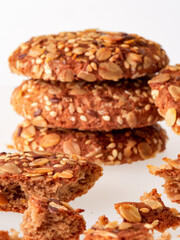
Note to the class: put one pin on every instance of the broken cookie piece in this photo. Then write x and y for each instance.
(150, 210)
(50, 219)
(105, 230)
(171, 173)
(4, 235)
(58, 176)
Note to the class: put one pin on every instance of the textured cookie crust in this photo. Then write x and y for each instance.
(166, 93)
(50, 219)
(116, 147)
(171, 173)
(150, 210)
(86, 106)
(89, 55)
(103, 229)
(59, 176)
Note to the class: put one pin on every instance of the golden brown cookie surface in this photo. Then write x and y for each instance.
(88, 55)
(86, 106)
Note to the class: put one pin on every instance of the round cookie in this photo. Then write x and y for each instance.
(88, 55)
(116, 147)
(86, 106)
(166, 93)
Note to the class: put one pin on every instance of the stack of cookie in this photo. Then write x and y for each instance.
(88, 95)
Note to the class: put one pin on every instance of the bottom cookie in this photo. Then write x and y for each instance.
(116, 147)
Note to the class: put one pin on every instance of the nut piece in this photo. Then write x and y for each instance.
(131, 119)
(64, 174)
(103, 54)
(10, 168)
(71, 147)
(130, 213)
(28, 132)
(170, 117)
(145, 150)
(57, 206)
(89, 77)
(66, 76)
(144, 210)
(110, 71)
(39, 122)
(39, 162)
(153, 203)
(125, 225)
(133, 59)
(3, 200)
(160, 78)
(173, 163)
(147, 62)
(175, 92)
(49, 140)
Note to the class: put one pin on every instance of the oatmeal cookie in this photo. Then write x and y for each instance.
(88, 55)
(107, 148)
(86, 106)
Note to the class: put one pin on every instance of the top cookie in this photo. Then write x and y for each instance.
(166, 93)
(90, 55)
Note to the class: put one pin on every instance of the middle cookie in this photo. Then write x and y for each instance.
(86, 106)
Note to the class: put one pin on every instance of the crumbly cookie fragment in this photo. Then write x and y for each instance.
(89, 55)
(58, 176)
(4, 235)
(171, 173)
(166, 93)
(150, 210)
(50, 219)
(105, 230)
(116, 147)
(86, 106)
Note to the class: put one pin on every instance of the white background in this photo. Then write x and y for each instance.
(157, 20)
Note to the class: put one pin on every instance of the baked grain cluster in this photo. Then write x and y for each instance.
(89, 95)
